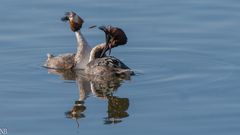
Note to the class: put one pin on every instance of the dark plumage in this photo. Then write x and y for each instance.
(114, 37)
(75, 21)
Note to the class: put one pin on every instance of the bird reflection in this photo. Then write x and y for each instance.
(102, 88)
(117, 109)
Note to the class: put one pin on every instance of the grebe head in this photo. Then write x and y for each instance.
(74, 20)
(114, 37)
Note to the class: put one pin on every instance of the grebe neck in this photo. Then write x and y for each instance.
(83, 51)
(80, 38)
(96, 51)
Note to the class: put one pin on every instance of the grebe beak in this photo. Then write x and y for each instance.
(66, 17)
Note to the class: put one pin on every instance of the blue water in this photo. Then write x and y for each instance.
(185, 53)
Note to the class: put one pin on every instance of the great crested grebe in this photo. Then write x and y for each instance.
(102, 65)
(72, 60)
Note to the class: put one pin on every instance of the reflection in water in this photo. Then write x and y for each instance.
(65, 74)
(103, 88)
(117, 108)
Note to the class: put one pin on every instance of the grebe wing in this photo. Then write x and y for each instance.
(110, 62)
(62, 61)
(108, 66)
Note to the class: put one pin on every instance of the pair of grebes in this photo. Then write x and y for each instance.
(94, 61)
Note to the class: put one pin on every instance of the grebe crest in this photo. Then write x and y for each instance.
(75, 21)
(114, 37)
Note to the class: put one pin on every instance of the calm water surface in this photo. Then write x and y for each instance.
(186, 54)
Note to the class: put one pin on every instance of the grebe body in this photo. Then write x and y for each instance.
(102, 65)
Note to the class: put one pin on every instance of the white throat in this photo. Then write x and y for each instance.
(83, 51)
(96, 50)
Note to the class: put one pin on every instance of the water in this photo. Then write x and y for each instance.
(186, 54)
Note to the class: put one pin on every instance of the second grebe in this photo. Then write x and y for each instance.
(102, 65)
(72, 60)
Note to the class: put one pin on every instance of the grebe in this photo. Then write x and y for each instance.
(109, 66)
(71, 60)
